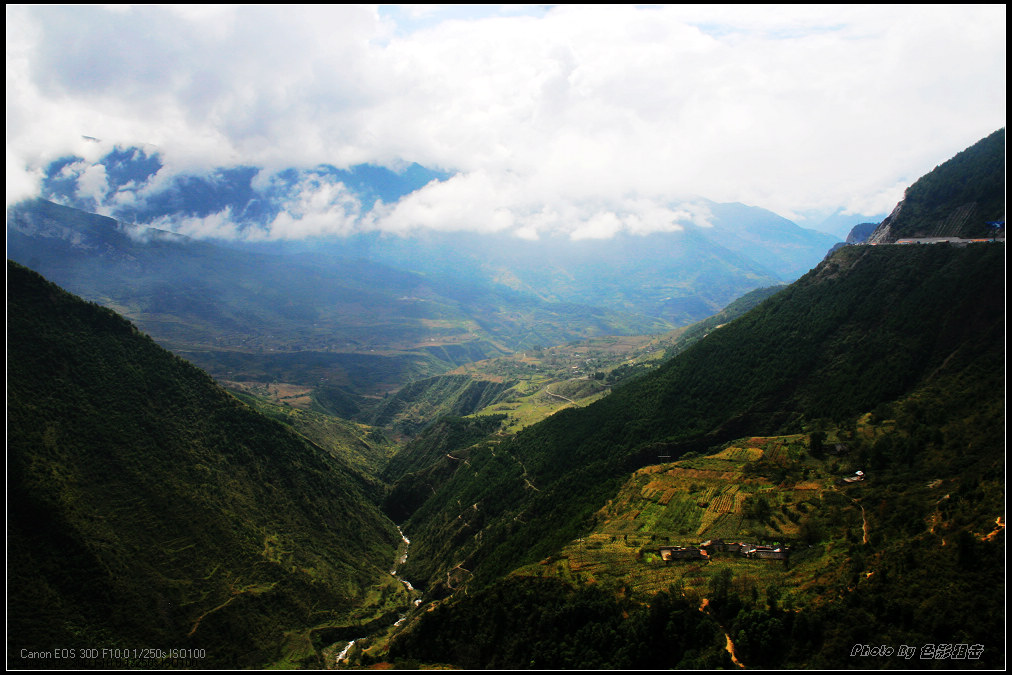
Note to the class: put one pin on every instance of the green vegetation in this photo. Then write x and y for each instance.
(956, 199)
(830, 347)
(146, 506)
(418, 403)
(149, 506)
(365, 448)
(544, 624)
(892, 353)
(527, 386)
(701, 329)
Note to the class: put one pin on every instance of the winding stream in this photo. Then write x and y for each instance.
(398, 563)
(403, 559)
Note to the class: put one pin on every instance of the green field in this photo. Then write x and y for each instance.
(755, 490)
(550, 379)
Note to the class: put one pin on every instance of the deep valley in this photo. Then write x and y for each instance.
(695, 451)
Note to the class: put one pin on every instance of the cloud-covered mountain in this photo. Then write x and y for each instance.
(235, 202)
(683, 263)
(299, 316)
(357, 307)
(250, 203)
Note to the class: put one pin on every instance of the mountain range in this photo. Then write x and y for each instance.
(360, 316)
(850, 421)
(133, 190)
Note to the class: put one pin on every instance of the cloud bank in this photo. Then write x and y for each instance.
(582, 120)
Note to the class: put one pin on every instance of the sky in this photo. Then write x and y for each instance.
(582, 120)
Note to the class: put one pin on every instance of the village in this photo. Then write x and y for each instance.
(706, 550)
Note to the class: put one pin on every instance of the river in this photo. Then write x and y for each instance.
(398, 563)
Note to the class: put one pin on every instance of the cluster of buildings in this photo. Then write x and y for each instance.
(705, 550)
(856, 478)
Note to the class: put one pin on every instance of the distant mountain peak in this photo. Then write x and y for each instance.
(860, 233)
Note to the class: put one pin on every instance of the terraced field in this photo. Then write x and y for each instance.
(294, 395)
(756, 490)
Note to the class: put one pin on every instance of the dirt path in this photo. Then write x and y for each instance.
(523, 470)
(864, 522)
(864, 526)
(234, 593)
(705, 608)
(560, 396)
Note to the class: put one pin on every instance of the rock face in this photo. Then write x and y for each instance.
(883, 233)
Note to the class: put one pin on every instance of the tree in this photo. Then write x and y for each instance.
(815, 444)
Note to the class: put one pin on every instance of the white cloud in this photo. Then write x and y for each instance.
(578, 119)
(215, 226)
(22, 182)
(315, 206)
(601, 225)
(318, 207)
(467, 201)
(93, 183)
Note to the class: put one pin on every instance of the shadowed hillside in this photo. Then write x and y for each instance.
(148, 508)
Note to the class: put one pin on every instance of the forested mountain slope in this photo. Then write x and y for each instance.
(867, 326)
(149, 508)
(957, 199)
(913, 331)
